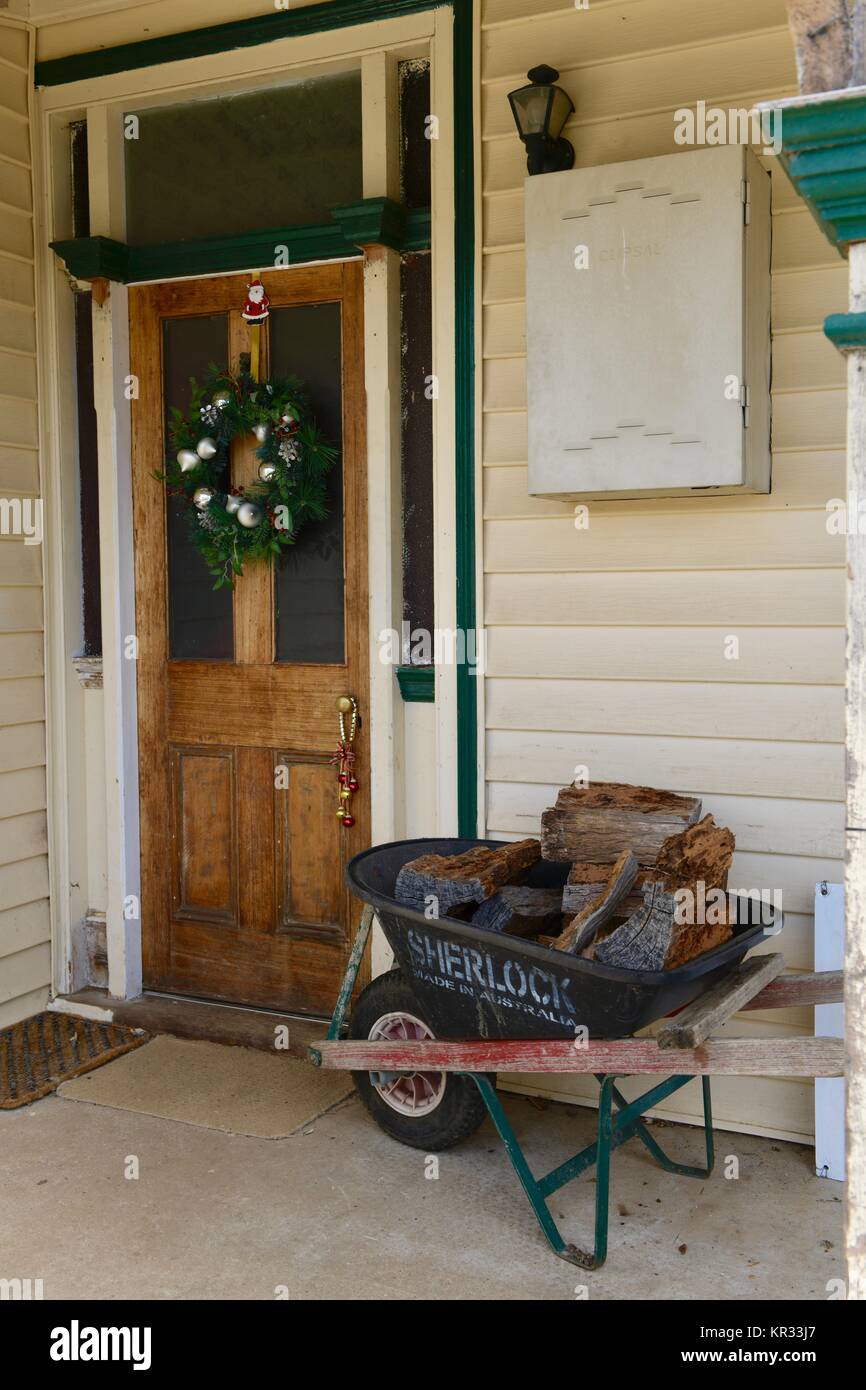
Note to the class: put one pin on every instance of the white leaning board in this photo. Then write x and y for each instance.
(829, 1091)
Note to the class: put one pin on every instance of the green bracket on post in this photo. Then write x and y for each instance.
(373, 221)
(417, 684)
(94, 258)
(847, 332)
(823, 152)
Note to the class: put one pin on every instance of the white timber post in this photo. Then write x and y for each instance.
(831, 68)
(113, 388)
(855, 867)
(382, 361)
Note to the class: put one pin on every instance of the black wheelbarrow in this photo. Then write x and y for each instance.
(426, 1039)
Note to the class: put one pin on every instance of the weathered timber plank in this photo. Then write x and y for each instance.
(621, 1057)
(806, 987)
(581, 931)
(698, 1020)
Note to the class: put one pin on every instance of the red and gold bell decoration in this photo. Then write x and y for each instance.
(344, 759)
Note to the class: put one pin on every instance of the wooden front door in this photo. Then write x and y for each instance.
(243, 894)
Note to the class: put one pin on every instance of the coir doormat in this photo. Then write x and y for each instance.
(40, 1052)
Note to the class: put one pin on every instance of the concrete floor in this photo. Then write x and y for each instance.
(341, 1211)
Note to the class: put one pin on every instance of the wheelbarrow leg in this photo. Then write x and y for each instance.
(612, 1130)
(538, 1190)
(685, 1170)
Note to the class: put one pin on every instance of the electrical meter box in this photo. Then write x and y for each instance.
(648, 326)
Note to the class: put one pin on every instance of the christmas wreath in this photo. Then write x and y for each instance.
(230, 526)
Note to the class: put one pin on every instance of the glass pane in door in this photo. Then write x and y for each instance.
(305, 343)
(200, 617)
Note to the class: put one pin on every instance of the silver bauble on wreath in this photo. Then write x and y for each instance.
(233, 502)
(250, 514)
(262, 431)
(267, 472)
(221, 399)
(188, 460)
(202, 497)
(206, 448)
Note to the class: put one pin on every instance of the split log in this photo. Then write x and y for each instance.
(642, 942)
(591, 824)
(653, 939)
(471, 877)
(582, 929)
(676, 922)
(520, 911)
(701, 854)
(586, 882)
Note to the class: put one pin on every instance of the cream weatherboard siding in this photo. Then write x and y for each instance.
(25, 964)
(606, 646)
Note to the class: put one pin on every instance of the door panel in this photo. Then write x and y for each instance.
(204, 840)
(243, 857)
(309, 886)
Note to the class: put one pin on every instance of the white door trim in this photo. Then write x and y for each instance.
(377, 45)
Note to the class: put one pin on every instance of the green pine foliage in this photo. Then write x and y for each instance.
(300, 456)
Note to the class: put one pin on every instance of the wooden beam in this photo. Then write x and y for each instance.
(705, 1014)
(787, 991)
(621, 1057)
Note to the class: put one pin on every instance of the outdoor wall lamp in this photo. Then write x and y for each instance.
(540, 111)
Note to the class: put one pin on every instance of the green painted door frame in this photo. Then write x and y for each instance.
(339, 14)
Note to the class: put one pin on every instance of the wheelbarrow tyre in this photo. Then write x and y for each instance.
(452, 1107)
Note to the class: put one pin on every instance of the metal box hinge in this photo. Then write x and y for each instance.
(744, 402)
(747, 201)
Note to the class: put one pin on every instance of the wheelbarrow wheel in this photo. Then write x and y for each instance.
(426, 1110)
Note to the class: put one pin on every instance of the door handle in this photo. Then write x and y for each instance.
(344, 758)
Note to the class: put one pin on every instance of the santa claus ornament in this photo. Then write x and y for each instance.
(257, 305)
(255, 311)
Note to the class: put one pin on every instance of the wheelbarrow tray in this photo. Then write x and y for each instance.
(475, 983)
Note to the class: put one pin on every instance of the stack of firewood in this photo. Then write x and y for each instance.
(642, 865)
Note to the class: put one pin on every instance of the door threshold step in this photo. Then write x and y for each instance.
(237, 1025)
